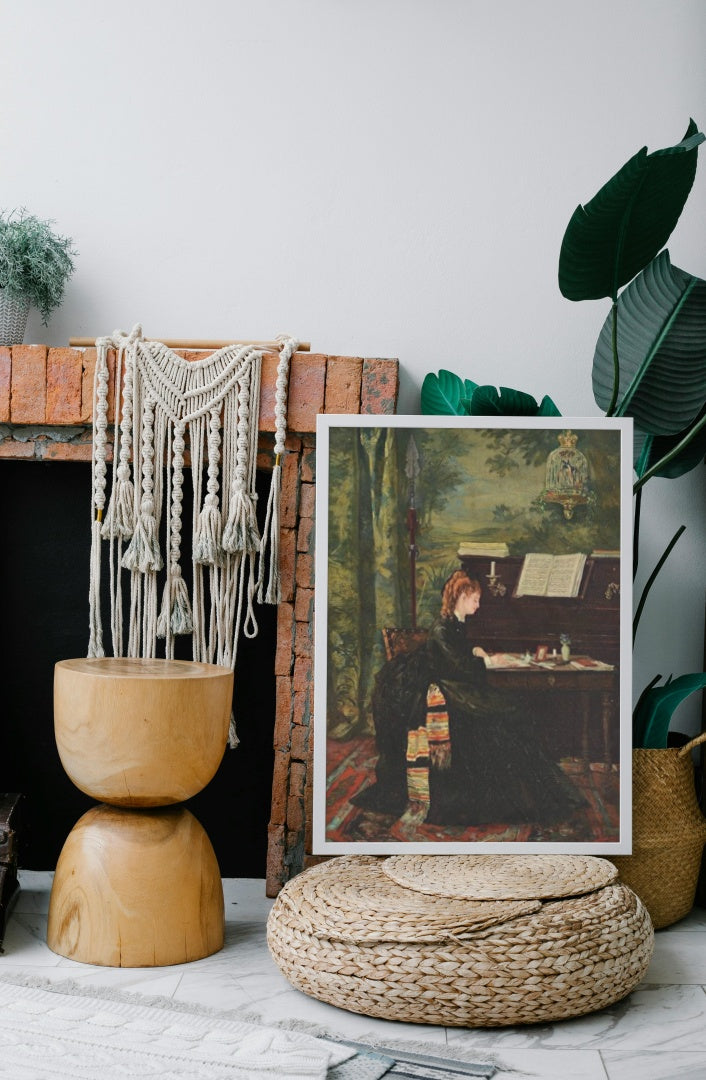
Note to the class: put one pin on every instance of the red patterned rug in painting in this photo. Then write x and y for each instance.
(351, 765)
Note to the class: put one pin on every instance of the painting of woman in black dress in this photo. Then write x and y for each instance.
(448, 579)
(452, 750)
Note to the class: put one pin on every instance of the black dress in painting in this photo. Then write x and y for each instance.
(498, 772)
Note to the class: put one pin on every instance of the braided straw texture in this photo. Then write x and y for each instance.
(501, 877)
(668, 833)
(570, 957)
(360, 903)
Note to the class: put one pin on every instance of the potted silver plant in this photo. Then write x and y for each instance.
(35, 264)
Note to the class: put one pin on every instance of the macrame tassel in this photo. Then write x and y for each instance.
(120, 517)
(143, 552)
(273, 593)
(175, 614)
(95, 639)
(208, 548)
(241, 532)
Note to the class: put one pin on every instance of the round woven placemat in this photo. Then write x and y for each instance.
(500, 877)
(360, 903)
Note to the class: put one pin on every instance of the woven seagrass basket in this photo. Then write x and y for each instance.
(349, 934)
(668, 833)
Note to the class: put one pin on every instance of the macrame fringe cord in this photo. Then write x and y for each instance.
(159, 397)
(272, 594)
(99, 470)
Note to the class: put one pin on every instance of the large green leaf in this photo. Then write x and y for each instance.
(653, 713)
(610, 239)
(661, 342)
(488, 401)
(446, 394)
(649, 450)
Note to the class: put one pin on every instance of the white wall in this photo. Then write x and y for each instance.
(382, 177)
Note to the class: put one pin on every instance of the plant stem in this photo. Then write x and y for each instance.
(636, 533)
(669, 457)
(616, 365)
(651, 579)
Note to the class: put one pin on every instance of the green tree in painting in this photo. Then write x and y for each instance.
(366, 497)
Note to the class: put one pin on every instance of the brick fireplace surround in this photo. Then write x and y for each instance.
(45, 415)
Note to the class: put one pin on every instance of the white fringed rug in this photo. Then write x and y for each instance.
(63, 1031)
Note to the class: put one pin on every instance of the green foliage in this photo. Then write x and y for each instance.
(35, 263)
(653, 713)
(650, 359)
(661, 345)
(445, 394)
(610, 239)
(671, 455)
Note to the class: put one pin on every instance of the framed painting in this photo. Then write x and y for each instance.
(472, 685)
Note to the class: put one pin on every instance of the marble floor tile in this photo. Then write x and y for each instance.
(652, 1017)
(547, 1064)
(676, 1065)
(679, 957)
(657, 1033)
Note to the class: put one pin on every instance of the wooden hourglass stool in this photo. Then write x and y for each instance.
(137, 883)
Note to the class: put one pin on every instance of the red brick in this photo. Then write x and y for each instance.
(5, 374)
(305, 534)
(302, 674)
(308, 464)
(303, 645)
(64, 378)
(289, 499)
(284, 654)
(304, 605)
(297, 779)
(307, 382)
(287, 562)
(300, 736)
(89, 368)
(379, 386)
(28, 384)
(283, 712)
(343, 380)
(307, 500)
(301, 711)
(280, 788)
(308, 811)
(295, 812)
(12, 448)
(275, 860)
(305, 571)
(306, 391)
(54, 451)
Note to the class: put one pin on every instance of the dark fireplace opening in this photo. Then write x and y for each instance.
(44, 561)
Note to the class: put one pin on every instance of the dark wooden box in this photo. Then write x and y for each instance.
(10, 834)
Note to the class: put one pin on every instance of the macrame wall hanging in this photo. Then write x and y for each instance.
(161, 401)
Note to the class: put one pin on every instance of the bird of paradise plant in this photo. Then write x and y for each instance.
(650, 358)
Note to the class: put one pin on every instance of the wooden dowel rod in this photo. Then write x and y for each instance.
(173, 343)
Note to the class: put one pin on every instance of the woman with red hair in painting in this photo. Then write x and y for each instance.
(452, 750)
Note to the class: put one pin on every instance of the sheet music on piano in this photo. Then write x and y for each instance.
(551, 575)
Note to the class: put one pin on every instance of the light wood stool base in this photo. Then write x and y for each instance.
(136, 889)
(137, 886)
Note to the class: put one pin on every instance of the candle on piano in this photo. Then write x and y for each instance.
(492, 568)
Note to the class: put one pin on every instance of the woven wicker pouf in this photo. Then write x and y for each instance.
(465, 941)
